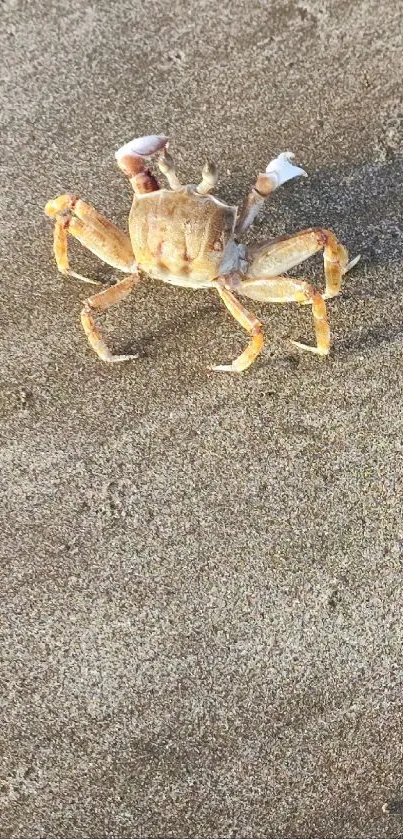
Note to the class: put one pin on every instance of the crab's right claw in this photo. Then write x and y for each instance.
(281, 169)
(278, 172)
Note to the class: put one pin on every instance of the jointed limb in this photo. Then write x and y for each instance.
(292, 290)
(104, 239)
(273, 257)
(250, 324)
(132, 157)
(277, 173)
(92, 229)
(100, 303)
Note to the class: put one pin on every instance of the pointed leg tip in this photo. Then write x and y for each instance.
(116, 359)
(222, 368)
(83, 279)
(352, 263)
(307, 347)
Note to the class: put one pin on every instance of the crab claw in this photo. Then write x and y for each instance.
(281, 169)
(142, 146)
(131, 159)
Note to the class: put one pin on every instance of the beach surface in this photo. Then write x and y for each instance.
(202, 573)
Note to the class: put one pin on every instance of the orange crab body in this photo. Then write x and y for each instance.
(180, 237)
(186, 236)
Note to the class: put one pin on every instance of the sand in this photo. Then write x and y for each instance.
(201, 575)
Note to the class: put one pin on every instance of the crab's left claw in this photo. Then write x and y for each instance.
(142, 147)
(132, 156)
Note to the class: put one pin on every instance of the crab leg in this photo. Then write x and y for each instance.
(131, 158)
(100, 303)
(251, 324)
(93, 230)
(277, 173)
(292, 290)
(272, 258)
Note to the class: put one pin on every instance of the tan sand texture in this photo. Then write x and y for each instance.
(201, 576)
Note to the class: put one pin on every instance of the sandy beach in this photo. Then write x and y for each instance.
(202, 573)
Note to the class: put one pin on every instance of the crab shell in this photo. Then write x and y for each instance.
(182, 237)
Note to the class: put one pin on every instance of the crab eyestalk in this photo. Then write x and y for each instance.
(166, 166)
(131, 159)
(209, 178)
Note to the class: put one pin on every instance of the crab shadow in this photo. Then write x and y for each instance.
(168, 332)
(371, 338)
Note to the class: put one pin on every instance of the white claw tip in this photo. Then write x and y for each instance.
(142, 146)
(283, 170)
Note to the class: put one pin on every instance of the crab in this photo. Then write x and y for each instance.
(185, 236)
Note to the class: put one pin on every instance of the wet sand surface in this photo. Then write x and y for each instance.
(201, 574)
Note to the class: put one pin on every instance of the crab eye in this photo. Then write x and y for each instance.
(143, 146)
(282, 169)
